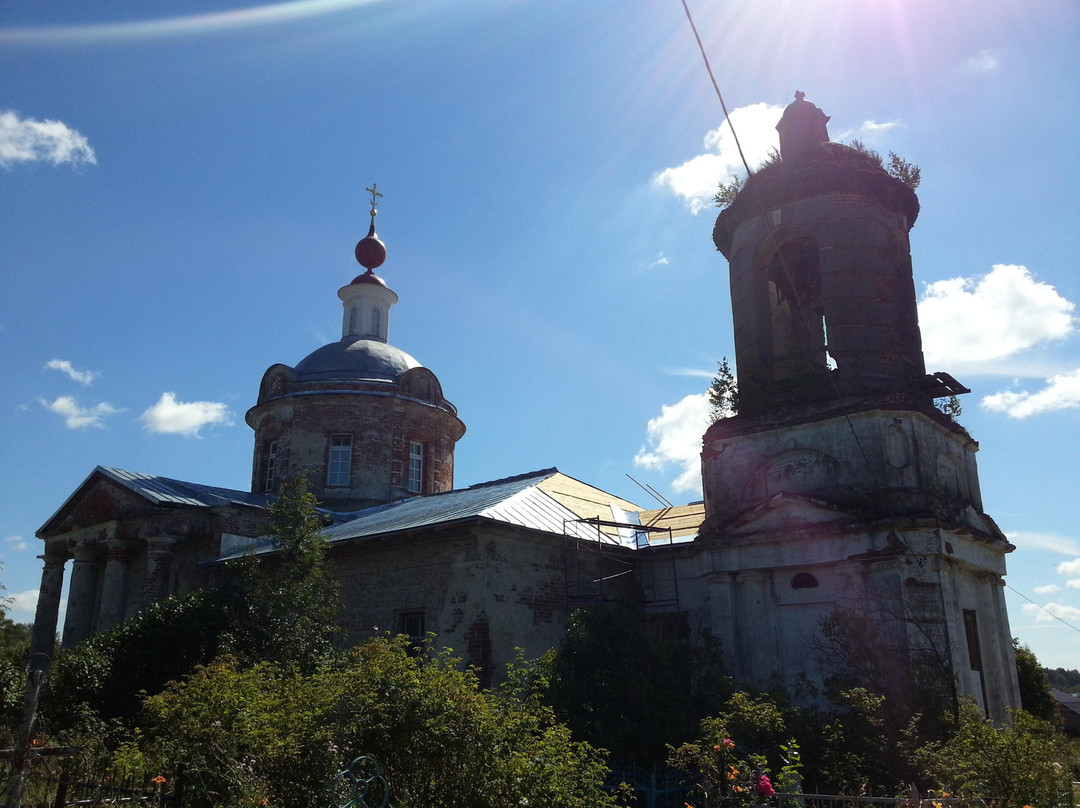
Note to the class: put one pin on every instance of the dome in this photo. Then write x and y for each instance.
(355, 358)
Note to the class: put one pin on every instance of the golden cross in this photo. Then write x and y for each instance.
(374, 191)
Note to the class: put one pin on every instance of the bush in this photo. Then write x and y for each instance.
(271, 733)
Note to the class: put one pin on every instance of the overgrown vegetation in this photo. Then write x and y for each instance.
(246, 689)
(895, 166)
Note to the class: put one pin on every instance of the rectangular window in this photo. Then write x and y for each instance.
(416, 466)
(271, 466)
(411, 624)
(338, 471)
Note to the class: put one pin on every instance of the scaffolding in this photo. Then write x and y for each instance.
(593, 565)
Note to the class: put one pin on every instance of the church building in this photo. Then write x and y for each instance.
(837, 499)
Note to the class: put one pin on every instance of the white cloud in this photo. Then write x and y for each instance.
(1061, 392)
(1049, 589)
(674, 436)
(22, 606)
(1045, 541)
(983, 62)
(77, 416)
(967, 321)
(1069, 568)
(867, 131)
(173, 417)
(697, 179)
(17, 542)
(25, 140)
(64, 366)
(1047, 613)
(1073, 583)
(661, 261)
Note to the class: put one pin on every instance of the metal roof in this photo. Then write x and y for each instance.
(162, 490)
(513, 500)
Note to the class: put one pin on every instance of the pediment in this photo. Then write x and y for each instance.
(98, 500)
(785, 512)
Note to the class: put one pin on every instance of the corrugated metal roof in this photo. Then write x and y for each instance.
(514, 500)
(177, 492)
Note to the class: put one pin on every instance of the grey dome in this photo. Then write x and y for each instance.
(355, 358)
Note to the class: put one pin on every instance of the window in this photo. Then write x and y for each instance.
(352, 320)
(416, 466)
(271, 466)
(376, 322)
(803, 580)
(337, 473)
(411, 624)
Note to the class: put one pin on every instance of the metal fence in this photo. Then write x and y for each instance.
(66, 776)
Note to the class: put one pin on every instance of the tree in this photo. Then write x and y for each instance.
(723, 392)
(1013, 766)
(1035, 695)
(621, 684)
(285, 606)
(270, 734)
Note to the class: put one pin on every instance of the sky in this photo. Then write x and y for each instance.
(182, 184)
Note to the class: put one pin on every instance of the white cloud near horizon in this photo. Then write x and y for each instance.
(1061, 392)
(674, 437)
(1069, 569)
(1049, 589)
(86, 377)
(26, 140)
(26, 602)
(77, 416)
(1044, 541)
(991, 316)
(984, 324)
(171, 417)
(696, 180)
(1047, 612)
(16, 543)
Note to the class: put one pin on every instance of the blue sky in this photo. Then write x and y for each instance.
(181, 187)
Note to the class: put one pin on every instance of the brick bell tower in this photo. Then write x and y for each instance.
(838, 490)
(363, 420)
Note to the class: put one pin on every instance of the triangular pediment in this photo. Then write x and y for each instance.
(785, 512)
(97, 500)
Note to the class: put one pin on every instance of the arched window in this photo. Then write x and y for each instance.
(798, 322)
(376, 322)
(352, 320)
(803, 580)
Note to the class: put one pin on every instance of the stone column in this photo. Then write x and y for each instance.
(79, 622)
(43, 639)
(159, 551)
(114, 584)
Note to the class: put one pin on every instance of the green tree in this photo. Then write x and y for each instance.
(14, 646)
(285, 606)
(723, 392)
(621, 684)
(106, 675)
(1027, 763)
(1035, 695)
(272, 733)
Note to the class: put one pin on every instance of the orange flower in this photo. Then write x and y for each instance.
(732, 773)
(738, 789)
(159, 780)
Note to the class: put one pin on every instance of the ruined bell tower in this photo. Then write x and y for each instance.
(839, 493)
